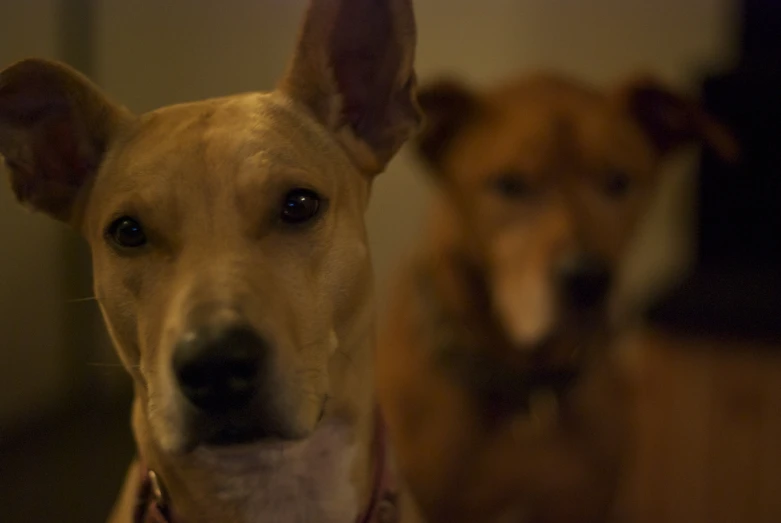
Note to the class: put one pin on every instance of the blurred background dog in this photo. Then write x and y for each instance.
(499, 351)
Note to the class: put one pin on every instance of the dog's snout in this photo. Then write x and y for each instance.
(585, 281)
(217, 367)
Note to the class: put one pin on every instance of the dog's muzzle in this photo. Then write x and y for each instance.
(224, 372)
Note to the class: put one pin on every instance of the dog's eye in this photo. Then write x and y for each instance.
(511, 186)
(299, 206)
(126, 232)
(616, 185)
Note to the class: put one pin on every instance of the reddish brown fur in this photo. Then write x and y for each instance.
(468, 460)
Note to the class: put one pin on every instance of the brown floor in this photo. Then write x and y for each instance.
(68, 471)
(709, 425)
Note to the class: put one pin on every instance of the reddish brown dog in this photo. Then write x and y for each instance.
(501, 395)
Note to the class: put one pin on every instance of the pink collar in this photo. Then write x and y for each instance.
(152, 506)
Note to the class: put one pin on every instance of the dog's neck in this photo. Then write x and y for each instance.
(292, 482)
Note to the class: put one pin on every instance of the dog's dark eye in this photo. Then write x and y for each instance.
(299, 206)
(616, 185)
(127, 232)
(511, 186)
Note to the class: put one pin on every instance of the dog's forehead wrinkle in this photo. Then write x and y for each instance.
(216, 131)
(224, 129)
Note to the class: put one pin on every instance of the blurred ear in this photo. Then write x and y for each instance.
(353, 68)
(672, 121)
(447, 106)
(55, 127)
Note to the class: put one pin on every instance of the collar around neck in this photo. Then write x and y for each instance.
(153, 505)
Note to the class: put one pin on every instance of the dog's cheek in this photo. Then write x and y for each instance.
(165, 419)
(350, 290)
(134, 320)
(346, 278)
(167, 413)
(119, 315)
(120, 320)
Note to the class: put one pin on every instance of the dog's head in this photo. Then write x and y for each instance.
(227, 236)
(547, 179)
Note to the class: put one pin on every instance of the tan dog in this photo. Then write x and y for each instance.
(231, 264)
(502, 400)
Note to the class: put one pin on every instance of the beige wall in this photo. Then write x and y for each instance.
(32, 363)
(149, 53)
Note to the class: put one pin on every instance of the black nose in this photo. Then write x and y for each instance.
(585, 281)
(217, 366)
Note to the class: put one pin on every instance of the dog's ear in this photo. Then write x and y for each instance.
(672, 121)
(447, 106)
(55, 127)
(353, 68)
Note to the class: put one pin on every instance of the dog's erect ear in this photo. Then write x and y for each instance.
(353, 68)
(55, 127)
(447, 106)
(672, 121)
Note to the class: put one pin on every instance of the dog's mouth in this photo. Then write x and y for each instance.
(232, 436)
(559, 378)
(236, 432)
(557, 363)
(512, 383)
(553, 351)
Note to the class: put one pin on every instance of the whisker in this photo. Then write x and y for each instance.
(81, 300)
(106, 364)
